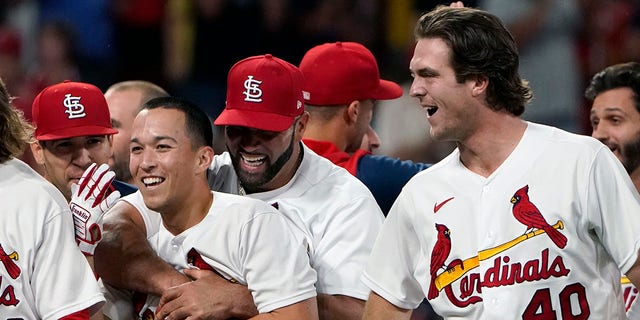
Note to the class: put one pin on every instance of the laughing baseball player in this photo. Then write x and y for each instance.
(522, 220)
(615, 120)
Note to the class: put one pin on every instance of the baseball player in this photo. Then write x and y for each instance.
(336, 214)
(341, 85)
(615, 119)
(520, 221)
(43, 275)
(73, 131)
(238, 237)
(125, 100)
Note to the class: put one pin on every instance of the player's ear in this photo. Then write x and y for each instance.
(204, 157)
(38, 152)
(352, 111)
(479, 85)
(301, 125)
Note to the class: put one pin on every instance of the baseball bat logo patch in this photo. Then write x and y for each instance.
(502, 271)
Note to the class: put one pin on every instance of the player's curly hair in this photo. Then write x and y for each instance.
(621, 75)
(15, 131)
(481, 46)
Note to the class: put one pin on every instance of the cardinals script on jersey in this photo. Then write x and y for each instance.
(522, 241)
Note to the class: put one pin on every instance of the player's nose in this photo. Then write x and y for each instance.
(600, 132)
(82, 157)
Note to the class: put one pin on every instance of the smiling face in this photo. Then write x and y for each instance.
(163, 162)
(64, 160)
(446, 102)
(616, 122)
(265, 160)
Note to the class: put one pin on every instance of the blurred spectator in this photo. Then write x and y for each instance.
(10, 68)
(92, 21)
(611, 35)
(198, 31)
(13, 74)
(22, 17)
(138, 38)
(56, 59)
(546, 32)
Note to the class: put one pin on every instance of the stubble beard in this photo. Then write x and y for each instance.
(631, 154)
(254, 182)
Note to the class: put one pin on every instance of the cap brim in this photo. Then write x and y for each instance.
(387, 90)
(253, 119)
(72, 132)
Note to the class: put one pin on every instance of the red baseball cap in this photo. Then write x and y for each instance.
(341, 72)
(71, 109)
(263, 92)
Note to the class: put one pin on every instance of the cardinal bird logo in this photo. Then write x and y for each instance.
(528, 214)
(438, 256)
(7, 260)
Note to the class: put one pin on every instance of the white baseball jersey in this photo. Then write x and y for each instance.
(546, 234)
(333, 212)
(337, 214)
(246, 241)
(43, 274)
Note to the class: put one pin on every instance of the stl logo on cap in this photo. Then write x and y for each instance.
(263, 92)
(253, 93)
(74, 108)
(71, 109)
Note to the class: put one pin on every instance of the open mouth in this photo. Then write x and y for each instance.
(431, 110)
(252, 160)
(152, 181)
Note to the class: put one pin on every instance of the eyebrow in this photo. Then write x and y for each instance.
(610, 109)
(156, 139)
(428, 72)
(115, 122)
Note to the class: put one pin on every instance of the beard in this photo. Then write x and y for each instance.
(254, 182)
(631, 154)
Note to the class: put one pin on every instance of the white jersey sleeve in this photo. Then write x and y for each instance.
(246, 241)
(395, 249)
(43, 274)
(613, 209)
(342, 252)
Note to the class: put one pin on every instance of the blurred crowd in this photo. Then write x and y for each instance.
(188, 46)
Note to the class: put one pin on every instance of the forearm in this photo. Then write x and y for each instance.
(207, 296)
(125, 260)
(377, 308)
(307, 309)
(336, 307)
